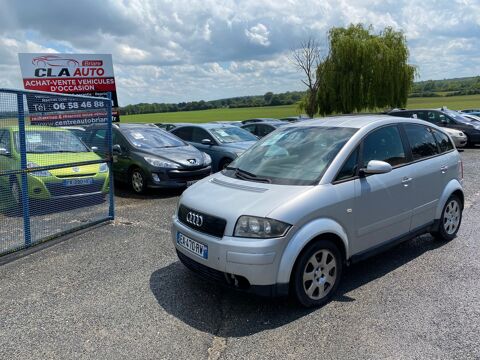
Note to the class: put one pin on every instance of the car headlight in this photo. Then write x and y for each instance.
(160, 163)
(41, 173)
(103, 168)
(207, 159)
(257, 227)
(461, 134)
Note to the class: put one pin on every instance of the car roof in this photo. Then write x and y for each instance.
(209, 126)
(356, 121)
(275, 123)
(33, 127)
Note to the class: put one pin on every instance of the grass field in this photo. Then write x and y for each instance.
(452, 102)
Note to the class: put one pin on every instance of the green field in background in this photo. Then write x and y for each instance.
(452, 102)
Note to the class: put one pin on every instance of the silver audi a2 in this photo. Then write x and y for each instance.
(315, 196)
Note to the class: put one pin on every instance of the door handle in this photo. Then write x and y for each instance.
(406, 180)
(444, 169)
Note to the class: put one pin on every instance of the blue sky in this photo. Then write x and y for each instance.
(172, 51)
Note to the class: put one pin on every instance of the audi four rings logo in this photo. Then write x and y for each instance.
(195, 219)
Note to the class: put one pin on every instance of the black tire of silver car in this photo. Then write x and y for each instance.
(138, 181)
(317, 273)
(450, 220)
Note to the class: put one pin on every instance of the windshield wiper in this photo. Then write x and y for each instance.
(245, 175)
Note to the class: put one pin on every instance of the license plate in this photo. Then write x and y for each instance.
(192, 245)
(76, 182)
(191, 182)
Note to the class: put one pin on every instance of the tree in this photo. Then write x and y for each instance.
(307, 59)
(268, 97)
(364, 71)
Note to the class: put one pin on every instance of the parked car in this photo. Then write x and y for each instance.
(472, 116)
(78, 131)
(298, 207)
(261, 129)
(445, 118)
(468, 111)
(148, 157)
(169, 126)
(47, 146)
(294, 118)
(234, 122)
(224, 143)
(256, 120)
(458, 137)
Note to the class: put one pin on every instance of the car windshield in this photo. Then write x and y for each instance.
(231, 134)
(151, 138)
(293, 155)
(50, 141)
(457, 116)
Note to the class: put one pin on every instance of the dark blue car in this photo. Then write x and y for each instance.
(224, 143)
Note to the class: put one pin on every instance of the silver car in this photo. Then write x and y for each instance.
(315, 196)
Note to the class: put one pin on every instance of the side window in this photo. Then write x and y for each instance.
(199, 134)
(421, 141)
(263, 130)
(184, 133)
(443, 141)
(349, 169)
(5, 139)
(98, 139)
(251, 128)
(384, 144)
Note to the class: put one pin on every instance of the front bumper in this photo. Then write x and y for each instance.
(246, 264)
(177, 178)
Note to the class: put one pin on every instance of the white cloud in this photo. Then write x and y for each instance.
(171, 51)
(258, 34)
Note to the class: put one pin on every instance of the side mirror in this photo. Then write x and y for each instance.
(376, 167)
(4, 152)
(207, 142)
(117, 149)
(94, 148)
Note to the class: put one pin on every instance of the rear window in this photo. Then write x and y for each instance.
(443, 141)
(421, 141)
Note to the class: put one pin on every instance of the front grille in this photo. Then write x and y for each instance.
(211, 225)
(189, 174)
(59, 189)
(201, 269)
(74, 176)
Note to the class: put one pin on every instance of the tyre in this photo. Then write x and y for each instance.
(317, 273)
(138, 181)
(450, 220)
(223, 164)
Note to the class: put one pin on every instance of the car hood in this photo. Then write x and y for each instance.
(180, 154)
(229, 198)
(66, 158)
(241, 145)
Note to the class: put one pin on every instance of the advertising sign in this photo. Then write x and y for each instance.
(76, 74)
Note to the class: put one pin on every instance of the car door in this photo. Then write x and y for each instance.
(427, 169)
(121, 161)
(383, 203)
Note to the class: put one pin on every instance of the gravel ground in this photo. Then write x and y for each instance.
(118, 292)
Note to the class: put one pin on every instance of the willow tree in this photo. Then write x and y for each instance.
(364, 70)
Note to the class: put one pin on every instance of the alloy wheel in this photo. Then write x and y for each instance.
(451, 218)
(137, 181)
(320, 274)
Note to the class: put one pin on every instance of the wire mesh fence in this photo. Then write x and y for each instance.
(51, 182)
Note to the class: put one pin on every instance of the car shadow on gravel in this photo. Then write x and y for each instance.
(224, 312)
(124, 191)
